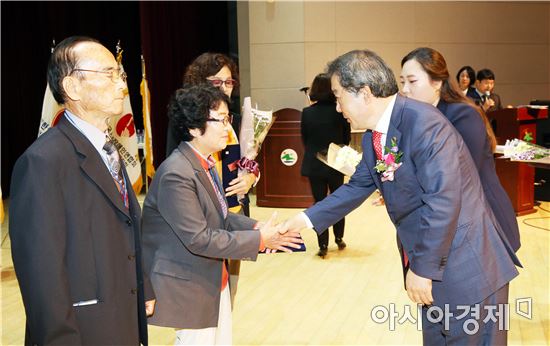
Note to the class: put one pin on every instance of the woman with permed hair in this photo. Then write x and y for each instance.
(220, 71)
(188, 233)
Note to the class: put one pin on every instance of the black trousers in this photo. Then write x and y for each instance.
(320, 187)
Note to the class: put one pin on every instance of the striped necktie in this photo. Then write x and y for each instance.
(113, 161)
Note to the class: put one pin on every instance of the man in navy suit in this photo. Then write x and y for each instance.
(453, 251)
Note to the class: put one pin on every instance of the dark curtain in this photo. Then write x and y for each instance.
(174, 33)
(27, 32)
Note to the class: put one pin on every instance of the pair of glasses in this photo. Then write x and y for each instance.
(114, 74)
(225, 121)
(229, 83)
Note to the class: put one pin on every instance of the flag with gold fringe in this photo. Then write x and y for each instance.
(1, 208)
(123, 133)
(146, 99)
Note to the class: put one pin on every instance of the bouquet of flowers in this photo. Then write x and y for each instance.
(255, 125)
(518, 150)
(342, 158)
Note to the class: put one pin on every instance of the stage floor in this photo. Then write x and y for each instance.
(298, 299)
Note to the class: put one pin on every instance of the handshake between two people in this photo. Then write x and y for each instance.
(283, 236)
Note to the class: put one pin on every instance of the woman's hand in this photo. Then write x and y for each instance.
(240, 185)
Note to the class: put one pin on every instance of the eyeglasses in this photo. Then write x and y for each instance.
(229, 83)
(225, 121)
(114, 74)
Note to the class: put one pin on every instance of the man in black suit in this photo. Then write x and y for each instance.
(483, 94)
(316, 119)
(74, 218)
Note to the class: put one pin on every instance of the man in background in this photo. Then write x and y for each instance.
(74, 218)
(483, 94)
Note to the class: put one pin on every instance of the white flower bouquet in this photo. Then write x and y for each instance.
(518, 150)
(342, 158)
(255, 125)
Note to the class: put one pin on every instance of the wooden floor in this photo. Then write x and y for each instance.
(300, 299)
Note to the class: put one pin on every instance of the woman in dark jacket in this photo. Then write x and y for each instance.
(321, 125)
(221, 71)
(424, 77)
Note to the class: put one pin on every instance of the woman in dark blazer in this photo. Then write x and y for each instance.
(424, 76)
(321, 125)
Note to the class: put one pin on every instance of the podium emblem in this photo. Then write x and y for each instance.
(289, 157)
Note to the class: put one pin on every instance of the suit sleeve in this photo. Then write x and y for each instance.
(38, 239)
(469, 124)
(178, 203)
(439, 174)
(343, 201)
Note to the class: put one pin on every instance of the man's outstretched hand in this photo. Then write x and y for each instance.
(277, 238)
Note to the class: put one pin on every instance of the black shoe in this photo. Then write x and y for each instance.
(341, 244)
(322, 252)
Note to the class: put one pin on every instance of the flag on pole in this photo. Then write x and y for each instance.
(1, 208)
(146, 99)
(123, 133)
(51, 112)
(120, 128)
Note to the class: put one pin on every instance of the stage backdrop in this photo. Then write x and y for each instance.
(169, 34)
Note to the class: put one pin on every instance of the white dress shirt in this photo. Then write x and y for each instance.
(92, 133)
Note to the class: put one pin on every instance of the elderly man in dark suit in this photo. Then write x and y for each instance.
(74, 219)
(453, 251)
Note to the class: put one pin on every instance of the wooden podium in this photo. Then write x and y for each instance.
(281, 184)
(517, 178)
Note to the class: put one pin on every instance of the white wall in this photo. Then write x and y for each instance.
(290, 42)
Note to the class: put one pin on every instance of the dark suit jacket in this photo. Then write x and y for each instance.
(471, 127)
(73, 240)
(185, 242)
(321, 124)
(472, 93)
(436, 203)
